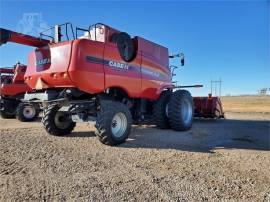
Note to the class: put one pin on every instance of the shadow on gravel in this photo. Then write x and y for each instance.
(81, 134)
(38, 119)
(204, 136)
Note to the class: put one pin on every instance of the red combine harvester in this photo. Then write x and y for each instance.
(103, 76)
(12, 91)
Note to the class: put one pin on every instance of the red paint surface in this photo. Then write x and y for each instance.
(147, 76)
(18, 86)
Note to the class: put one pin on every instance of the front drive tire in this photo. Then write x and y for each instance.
(6, 115)
(55, 122)
(113, 123)
(181, 110)
(160, 111)
(26, 112)
(8, 108)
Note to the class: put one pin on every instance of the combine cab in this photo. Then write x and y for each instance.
(11, 91)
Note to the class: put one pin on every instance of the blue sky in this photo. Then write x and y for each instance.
(221, 39)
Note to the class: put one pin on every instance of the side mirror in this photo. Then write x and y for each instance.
(181, 56)
(182, 59)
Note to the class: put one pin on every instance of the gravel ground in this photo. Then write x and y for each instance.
(217, 160)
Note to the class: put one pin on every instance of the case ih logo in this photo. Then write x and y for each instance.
(43, 61)
(118, 65)
(110, 63)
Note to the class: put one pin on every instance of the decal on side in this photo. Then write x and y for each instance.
(43, 61)
(118, 65)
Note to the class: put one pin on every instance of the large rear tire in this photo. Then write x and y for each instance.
(55, 122)
(26, 112)
(181, 110)
(113, 123)
(160, 111)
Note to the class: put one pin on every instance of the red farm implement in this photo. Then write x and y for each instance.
(208, 107)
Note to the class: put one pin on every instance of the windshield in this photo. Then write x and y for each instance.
(95, 33)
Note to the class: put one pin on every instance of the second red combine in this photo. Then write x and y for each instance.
(12, 90)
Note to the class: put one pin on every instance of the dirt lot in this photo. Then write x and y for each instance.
(225, 160)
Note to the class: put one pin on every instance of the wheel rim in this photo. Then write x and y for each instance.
(119, 124)
(186, 111)
(29, 112)
(62, 120)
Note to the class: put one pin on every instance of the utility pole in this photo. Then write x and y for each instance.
(216, 83)
(220, 82)
(211, 87)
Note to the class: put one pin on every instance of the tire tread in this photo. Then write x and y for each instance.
(48, 122)
(159, 111)
(175, 118)
(103, 123)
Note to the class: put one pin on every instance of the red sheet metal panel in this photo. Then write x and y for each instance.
(93, 66)
(16, 84)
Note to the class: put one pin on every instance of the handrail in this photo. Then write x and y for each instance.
(41, 34)
(81, 29)
(74, 35)
(66, 31)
